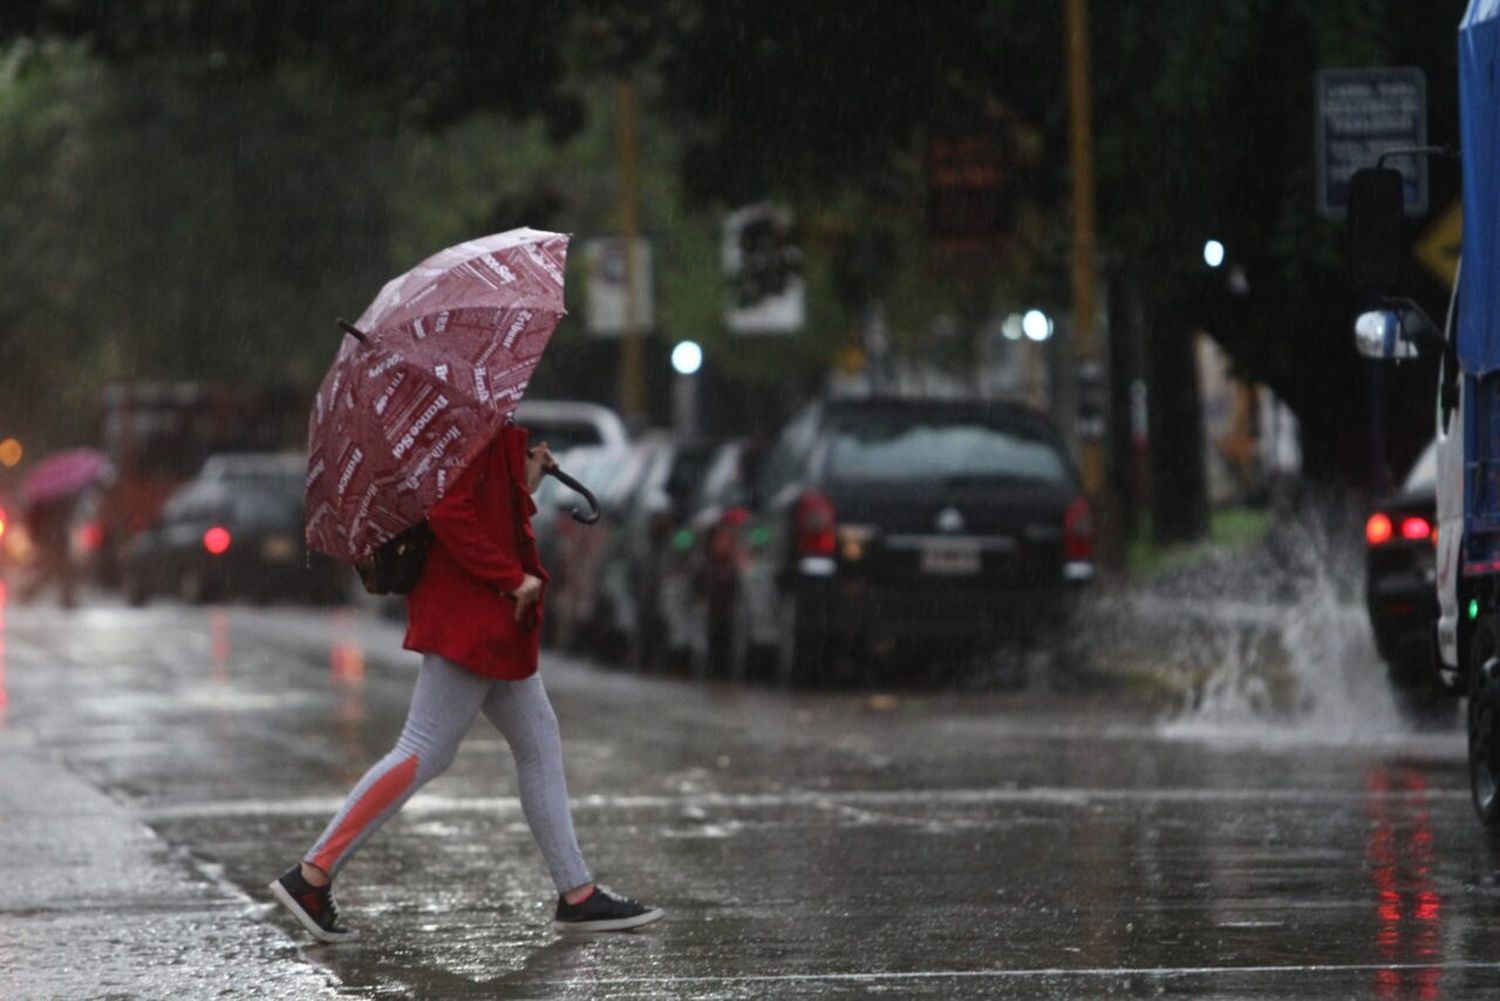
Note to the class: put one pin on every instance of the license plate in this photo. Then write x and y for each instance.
(950, 557)
(280, 548)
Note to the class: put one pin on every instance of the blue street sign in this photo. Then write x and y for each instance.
(1363, 113)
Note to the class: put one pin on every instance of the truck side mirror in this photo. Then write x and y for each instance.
(1374, 229)
(1378, 335)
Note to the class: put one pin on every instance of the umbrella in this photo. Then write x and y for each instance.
(427, 376)
(63, 474)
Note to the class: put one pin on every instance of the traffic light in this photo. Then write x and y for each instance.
(769, 258)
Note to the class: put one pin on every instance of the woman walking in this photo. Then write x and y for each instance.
(474, 616)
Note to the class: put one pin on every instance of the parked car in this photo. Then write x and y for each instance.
(924, 528)
(700, 582)
(1400, 595)
(568, 424)
(638, 606)
(234, 531)
(572, 552)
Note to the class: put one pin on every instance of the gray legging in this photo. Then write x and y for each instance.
(443, 707)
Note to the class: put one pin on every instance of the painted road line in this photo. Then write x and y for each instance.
(1036, 796)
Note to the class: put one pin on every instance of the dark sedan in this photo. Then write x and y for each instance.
(939, 529)
(234, 532)
(1400, 595)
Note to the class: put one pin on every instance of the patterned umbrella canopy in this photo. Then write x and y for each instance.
(429, 374)
(63, 474)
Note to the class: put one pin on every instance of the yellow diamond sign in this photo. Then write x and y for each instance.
(1437, 249)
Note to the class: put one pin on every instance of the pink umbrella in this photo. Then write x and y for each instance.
(63, 474)
(427, 377)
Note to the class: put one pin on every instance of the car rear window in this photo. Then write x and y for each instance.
(901, 449)
(561, 436)
(268, 508)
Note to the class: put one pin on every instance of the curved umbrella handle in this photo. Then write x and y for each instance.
(352, 330)
(583, 518)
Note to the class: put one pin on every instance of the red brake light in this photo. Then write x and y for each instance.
(1378, 530)
(1078, 532)
(216, 540)
(90, 536)
(1415, 529)
(815, 525)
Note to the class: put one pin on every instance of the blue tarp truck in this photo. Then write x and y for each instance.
(1466, 639)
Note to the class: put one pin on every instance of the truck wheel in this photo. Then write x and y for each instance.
(1484, 723)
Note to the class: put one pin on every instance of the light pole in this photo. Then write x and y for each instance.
(687, 359)
(1085, 251)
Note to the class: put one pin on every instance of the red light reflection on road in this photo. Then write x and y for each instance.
(1407, 906)
(4, 692)
(346, 669)
(218, 628)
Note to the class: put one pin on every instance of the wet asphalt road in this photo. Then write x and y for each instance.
(907, 843)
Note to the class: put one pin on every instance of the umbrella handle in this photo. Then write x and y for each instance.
(352, 330)
(583, 518)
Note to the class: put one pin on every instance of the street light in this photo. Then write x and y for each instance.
(687, 358)
(1213, 253)
(1036, 325)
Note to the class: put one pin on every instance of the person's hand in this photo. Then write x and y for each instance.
(526, 595)
(539, 459)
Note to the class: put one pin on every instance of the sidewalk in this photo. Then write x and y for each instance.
(94, 905)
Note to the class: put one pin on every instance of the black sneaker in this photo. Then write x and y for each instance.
(311, 905)
(603, 910)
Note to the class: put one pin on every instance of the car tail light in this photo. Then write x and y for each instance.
(216, 540)
(722, 542)
(2, 523)
(90, 535)
(662, 527)
(1378, 530)
(816, 534)
(1415, 529)
(1078, 531)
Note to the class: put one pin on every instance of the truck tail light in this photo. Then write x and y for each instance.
(1378, 530)
(815, 523)
(1078, 532)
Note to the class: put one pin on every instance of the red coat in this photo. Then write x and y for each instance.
(461, 609)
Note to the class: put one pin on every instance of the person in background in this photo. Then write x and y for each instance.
(47, 524)
(475, 617)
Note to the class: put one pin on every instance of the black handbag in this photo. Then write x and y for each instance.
(396, 566)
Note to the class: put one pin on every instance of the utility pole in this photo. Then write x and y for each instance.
(1085, 250)
(632, 391)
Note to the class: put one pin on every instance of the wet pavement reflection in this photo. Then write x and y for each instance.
(912, 842)
(4, 688)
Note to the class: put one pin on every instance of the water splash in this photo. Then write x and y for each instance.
(1271, 645)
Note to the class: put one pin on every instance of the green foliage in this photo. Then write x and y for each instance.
(202, 184)
(174, 225)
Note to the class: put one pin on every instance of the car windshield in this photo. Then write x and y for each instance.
(904, 449)
(1423, 475)
(688, 468)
